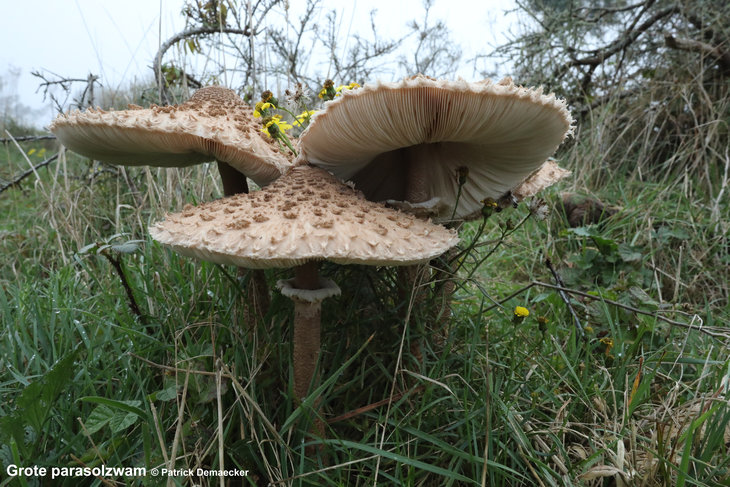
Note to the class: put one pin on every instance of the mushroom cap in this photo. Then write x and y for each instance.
(214, 124)
(547, 175)
(305, 215)
(499, 131)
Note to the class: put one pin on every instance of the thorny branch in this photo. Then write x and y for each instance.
(713, 331)
(87, 95)
(16, 181)
(566, 299)
(28, 138)
(626, 38)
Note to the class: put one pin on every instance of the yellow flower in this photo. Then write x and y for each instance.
(274, 126)
(261, 107)
(351, 86)
(328, 91)
(305, 116)
(608, 341)
(490, 206)
(521, 312)
(489, 203)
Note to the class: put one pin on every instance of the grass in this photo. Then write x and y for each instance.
(478, 399)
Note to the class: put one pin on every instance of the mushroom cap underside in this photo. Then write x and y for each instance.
(215, 124)
(500, 132)
(305, 215)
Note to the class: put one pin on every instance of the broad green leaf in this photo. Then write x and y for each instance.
(121, 421)
(99, 417)
(128, 406)
(167, 394)
(37, 399)
(628, 253)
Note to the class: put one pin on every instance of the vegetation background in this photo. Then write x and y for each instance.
(115, 351)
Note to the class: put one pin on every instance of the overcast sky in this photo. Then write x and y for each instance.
(117, 39)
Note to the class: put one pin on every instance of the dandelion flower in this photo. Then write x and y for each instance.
(304, 117)
(275, 126)
(521, 312)
(261, 108)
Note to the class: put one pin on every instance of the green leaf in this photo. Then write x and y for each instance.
(583, 231)
(119, 415)
(127, 247)
(605, 245)
(99, 417)
(629, 253)
(37, 399)
(122, 421)
(406, 461)
(11, 431)
(167, 394)
(87, 248)
(128, 406)
(641, 295)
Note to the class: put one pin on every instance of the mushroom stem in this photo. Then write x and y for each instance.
(307, 290)
(307, 320)
(416, 192)
(416, 177)
(306, 276)
(234, 182)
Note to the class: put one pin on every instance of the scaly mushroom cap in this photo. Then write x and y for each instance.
(547, 175)
(500, 132)
(307, 214)
(214, 124)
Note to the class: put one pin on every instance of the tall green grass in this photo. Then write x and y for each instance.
(479, 399)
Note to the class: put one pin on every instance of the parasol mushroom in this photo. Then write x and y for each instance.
(215, 124)
(302, 218)
(437, 148)
(407, 141)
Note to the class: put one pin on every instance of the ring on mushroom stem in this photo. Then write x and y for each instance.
(304, 217)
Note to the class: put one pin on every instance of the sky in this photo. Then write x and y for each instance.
(117, 39)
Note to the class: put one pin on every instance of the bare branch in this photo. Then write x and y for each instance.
(622, 42)
(722, 57)
(87, 95)
(28, 138)
(186, 34)
(27, 173)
